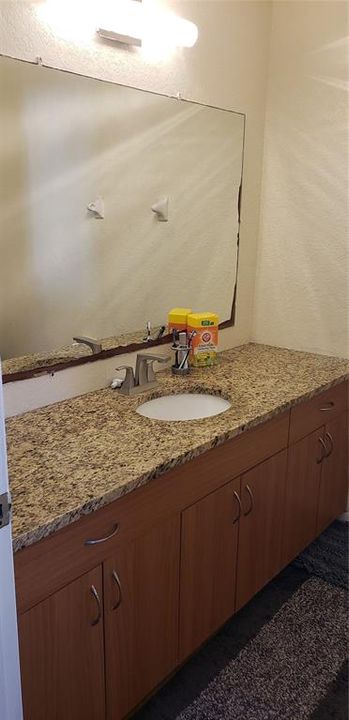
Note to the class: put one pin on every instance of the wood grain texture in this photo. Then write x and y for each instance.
(334, 473)
(263, 492)
(141, 617)
(302, 494)
(314, 413)
(208, 566)
(62, 654)
(43, 568)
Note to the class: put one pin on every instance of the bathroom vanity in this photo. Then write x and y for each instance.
(135, 540)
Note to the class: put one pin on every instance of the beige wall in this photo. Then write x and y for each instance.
(227, 67)
(302, 283)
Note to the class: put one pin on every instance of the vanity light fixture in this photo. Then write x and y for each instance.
(132, 24)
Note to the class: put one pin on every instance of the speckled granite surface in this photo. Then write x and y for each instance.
(73, 457)
(36, 361)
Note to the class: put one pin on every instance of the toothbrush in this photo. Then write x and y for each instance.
(185, 357)
(184, 360)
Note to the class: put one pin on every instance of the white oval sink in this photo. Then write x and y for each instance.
(185, 406)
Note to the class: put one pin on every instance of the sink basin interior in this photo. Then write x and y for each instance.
(184, 406)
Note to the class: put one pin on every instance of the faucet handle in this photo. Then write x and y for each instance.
(153, 358)
(144, 367)
(129, 381)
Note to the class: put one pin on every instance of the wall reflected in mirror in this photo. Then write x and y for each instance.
(67, 141)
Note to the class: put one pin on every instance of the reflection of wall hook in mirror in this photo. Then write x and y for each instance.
(160, 208)
(97, 208)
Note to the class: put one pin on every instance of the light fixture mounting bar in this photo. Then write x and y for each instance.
(117, 37)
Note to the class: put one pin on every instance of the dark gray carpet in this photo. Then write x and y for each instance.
(285, 670)
(328, 556)
(282, 657)
(334, 706)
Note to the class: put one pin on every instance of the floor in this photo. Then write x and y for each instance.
(282, 657)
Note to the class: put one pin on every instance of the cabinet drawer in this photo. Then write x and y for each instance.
(311, 414)
(43, 568)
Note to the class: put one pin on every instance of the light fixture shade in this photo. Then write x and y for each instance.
(179, 31)
(123, 22)
(132, 23)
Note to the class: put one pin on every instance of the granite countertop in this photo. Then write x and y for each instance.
(50, 358)
(73, 457)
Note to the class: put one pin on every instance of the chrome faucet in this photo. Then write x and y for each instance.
(95, 346)
(144, 376)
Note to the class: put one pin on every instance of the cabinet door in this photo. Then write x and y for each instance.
(141, 590)
(260, 536)
(302, 494)
(208, 565)
(62, 653)
(334, 473)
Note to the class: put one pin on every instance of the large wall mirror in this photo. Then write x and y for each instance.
(68, 141)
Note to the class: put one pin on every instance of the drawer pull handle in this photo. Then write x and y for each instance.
(99, 605)
(104, 539)
(118, 583)
(329, 406)
(249, 492)
(237, 498)
(330, 438)
(324, 453)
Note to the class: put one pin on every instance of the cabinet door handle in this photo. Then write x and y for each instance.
(249, 492)
(118, 583)
(237, 498)
(324, 453)
(99, 605)
(104, 539)
(330, 438)
(328, 406)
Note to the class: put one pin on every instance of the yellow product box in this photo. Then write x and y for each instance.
(204, 344)
(177, 318)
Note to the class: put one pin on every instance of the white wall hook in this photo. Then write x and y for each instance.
(97, 208)
(160, 208)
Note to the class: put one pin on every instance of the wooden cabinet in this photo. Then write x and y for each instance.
(334, 472)
(95, 648)
(141, 588)
(231, 547)
(261, 525)
(135, 543)
(110, 605)
(320, 409)
(317, 478)
(208, 565)
(62, 653)
(302, 493)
